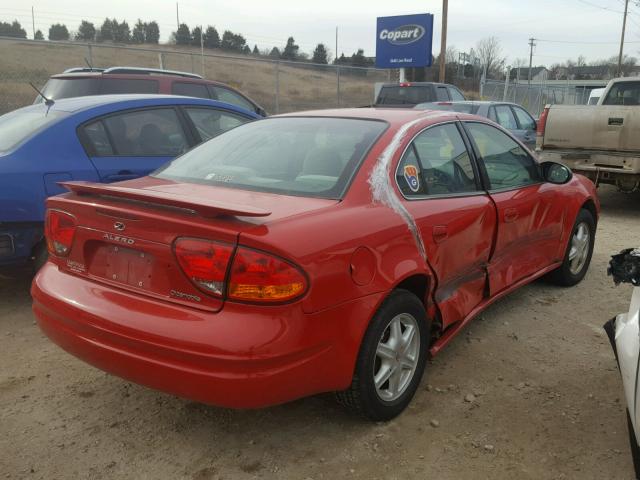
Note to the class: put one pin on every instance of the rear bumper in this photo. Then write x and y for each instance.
(243, 357)
(17, 241)
(600, 167)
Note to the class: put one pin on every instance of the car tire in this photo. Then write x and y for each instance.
(389, 350)
(579, 251)
(633, 445)
(40, 256)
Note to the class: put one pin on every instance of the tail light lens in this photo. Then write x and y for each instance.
(260, 277)
(204, 262)
(542, 121)
(254, 277)
(60, 228)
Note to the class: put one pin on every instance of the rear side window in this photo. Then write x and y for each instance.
(442, 94)
(409, 95)
(57, 88)
(190, 89)
(211, 122)
(623, 93)
(436, 163)
(18, 125)
(155, 132)
(228, 96)
(121, 85)
(96, 136)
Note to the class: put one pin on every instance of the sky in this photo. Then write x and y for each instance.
(564, 28)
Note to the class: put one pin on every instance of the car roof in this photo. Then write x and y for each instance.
(137, 76)
(123, 101)
(394, 116)
(416, 84)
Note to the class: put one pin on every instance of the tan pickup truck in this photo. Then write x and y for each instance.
(599, 141)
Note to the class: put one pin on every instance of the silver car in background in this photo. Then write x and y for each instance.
(510, 116)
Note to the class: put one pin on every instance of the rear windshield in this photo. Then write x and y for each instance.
(68, 87)
(397, 95)
(18, 125)
(453, 107)
(313, 157)
(623, 93)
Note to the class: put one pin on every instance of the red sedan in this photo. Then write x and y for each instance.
(323, 251)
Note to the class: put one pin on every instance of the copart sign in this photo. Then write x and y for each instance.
(404, 41)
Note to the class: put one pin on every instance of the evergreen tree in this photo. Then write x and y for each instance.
(246, 50)
(151, 32)
(106, 32)
(196, 33)
(39, 35)
(290, 51)
(232, 41)
(86, 32)
(211, 38)
(121, 32)
(58, 31)
(275, 52)
(255, 50)
(138, 33)
(320, 54)
(183, 35)
(13, 29)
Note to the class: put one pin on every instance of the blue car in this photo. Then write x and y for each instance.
(97, 138)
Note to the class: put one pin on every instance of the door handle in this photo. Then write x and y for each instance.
(510, 215)
(440, 233)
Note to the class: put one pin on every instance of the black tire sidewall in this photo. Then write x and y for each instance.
(400, 301)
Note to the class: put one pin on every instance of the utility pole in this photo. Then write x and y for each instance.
(624, 26)
(33, 22)
(336, 60)
(202, 48)
(531, 45)
(177, 16)
(443, 41)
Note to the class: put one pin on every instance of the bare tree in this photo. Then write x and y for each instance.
(489, 52)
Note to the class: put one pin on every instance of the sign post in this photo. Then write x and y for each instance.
(404, 41)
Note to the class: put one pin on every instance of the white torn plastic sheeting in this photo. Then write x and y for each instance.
(382, 191)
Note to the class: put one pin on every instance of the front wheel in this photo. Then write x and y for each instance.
(579, 251)
(391, 360)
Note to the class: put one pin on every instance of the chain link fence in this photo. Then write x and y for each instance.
(535, 96)
(279, 86)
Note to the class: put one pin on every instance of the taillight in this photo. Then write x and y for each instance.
(542, 121)
(254, 276)
(260, 277)
(60, 228)
(204, 262)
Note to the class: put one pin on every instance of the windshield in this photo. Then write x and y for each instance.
(16, 126)
(57, 88)
(307, 156)
(623, 93)
(410, 95)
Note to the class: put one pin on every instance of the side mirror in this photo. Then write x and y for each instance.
(556, 173)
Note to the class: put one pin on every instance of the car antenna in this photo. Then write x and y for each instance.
(87, 62)
(47, 101)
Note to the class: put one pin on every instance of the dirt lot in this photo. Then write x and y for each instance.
(548, 402)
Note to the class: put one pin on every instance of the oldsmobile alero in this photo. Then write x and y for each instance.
(312, 252)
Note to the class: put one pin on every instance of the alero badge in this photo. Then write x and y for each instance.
(411, 176)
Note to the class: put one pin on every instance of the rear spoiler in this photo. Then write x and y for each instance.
(203, 207)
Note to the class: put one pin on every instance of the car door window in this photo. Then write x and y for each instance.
(506, 118)
(456, 96)
(507, 164)
(228, 96)
(98, 140)
(436, 163)
(190, 89)
(525, 120)
(155, 132)
(441, 94)
(211, 122)
(492, 114)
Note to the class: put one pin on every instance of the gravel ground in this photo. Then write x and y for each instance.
(530, 390)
